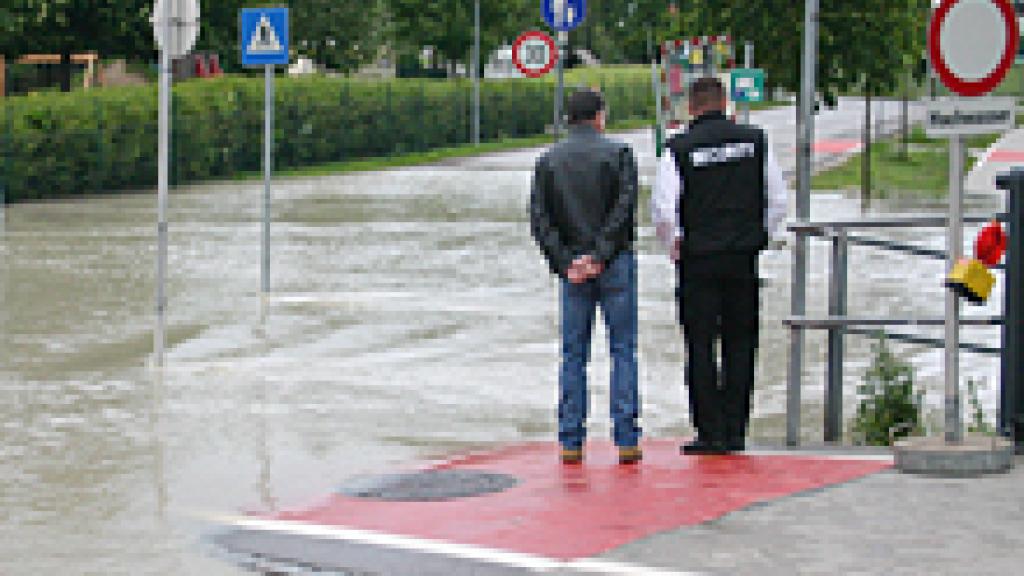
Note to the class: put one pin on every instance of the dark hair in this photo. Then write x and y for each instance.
(706, 92)
(584, 104)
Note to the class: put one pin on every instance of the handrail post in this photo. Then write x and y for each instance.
(1011, 393)
(834, 370)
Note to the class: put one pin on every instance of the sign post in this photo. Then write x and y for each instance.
(175, 27)
(563, 40)
(748, 63)
(265, 43)
(476, 73)
(798, 295)
(562, 16)
(972, 44)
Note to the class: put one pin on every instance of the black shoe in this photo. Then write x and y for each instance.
(699, 446)
(736, 444)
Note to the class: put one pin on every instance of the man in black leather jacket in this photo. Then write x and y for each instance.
(582, 217)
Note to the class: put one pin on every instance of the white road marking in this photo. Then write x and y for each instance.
(529, 562)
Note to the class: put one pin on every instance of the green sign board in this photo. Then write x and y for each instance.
(747, 85)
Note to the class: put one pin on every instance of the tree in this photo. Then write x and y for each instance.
(875, 44)
(115, 27)
(339, 35)
(865, 44)
(447, 25)
(218, 31)
(621, 31)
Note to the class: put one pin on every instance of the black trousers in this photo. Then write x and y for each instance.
(719, 301)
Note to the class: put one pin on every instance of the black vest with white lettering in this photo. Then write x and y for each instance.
(721, 165)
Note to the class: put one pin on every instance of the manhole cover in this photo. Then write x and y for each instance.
(428, 485)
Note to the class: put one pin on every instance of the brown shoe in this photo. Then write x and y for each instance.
(572, 456)
(630, 454)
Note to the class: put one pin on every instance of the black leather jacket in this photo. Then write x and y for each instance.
(583, 199)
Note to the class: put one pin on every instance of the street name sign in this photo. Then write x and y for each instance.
(973, 43)
(563, 15)
(264, 36)
(184, 25)
(747, 85)
(965, 116)
(534, 53)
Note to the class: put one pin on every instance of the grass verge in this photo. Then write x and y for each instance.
(924, 172)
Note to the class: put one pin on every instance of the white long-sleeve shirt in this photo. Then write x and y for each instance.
(669, 188)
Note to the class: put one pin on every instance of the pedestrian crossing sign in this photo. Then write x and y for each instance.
(264, 36)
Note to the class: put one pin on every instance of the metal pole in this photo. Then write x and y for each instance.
(5, 160)
(268, 145)
(748, 63)
(163, 170)
(836, 308)
(928, 57)
(560, 91)
(955, 247)
(658, 116)
(1011, 396)
(805, 138)
(476, 74)
(879, 113)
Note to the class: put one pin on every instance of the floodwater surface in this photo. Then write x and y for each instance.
(412, 317)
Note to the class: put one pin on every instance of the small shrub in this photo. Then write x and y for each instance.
(889, 407)
(978, 422)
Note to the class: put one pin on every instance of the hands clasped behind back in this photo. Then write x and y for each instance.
(584, 268)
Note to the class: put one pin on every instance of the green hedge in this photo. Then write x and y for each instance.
(105, 140)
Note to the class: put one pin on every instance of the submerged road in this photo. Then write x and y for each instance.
(412, 317)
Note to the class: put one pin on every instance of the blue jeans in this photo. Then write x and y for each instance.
(616, 292)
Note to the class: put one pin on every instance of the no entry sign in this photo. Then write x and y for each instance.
(534, 54)
(972, 44)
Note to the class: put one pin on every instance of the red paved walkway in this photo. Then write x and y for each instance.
(1007, 156)
(568, 512)
(836, 146)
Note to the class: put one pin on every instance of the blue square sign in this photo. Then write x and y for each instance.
(264, 36)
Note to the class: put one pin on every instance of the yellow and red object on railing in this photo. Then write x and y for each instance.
(971, 278)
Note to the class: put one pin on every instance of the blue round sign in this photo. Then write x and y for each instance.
(563, 15)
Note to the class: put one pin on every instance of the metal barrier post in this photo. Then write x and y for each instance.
(798, 296)
(834, 371)
(955, 246)
(1011, 396)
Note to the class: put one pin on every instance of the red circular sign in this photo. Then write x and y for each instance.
(529, 54)
(972, 86)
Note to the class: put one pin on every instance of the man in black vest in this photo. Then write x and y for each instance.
(582, 217)
(717, 196)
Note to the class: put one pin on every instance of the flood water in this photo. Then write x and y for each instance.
(412, 318)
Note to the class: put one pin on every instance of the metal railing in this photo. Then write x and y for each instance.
(839, 324)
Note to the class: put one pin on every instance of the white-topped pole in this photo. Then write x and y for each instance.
(163, 171)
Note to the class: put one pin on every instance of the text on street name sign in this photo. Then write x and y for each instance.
(970, 116)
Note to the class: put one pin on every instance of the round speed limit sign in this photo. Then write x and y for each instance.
(534, 54)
